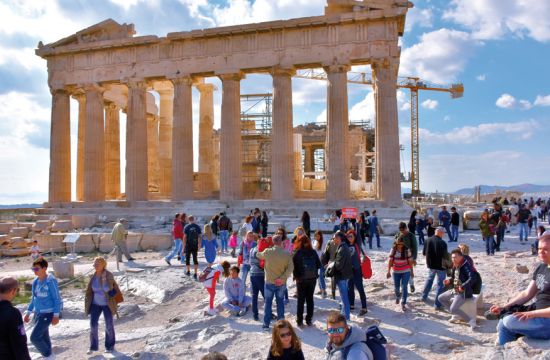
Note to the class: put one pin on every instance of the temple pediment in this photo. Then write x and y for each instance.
(105, 30)
(339, 6)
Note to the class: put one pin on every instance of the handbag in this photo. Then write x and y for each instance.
(330, 271)
(116, 294)
(366, 267)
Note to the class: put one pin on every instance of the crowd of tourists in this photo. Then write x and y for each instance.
(271, 261)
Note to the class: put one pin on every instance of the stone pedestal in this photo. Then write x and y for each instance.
(60, 148)
(165, 141)
(112, 151)
(337, 152)
(282, 152)
(231, 182)
(388, 175)
(206, 128)
(182, 140)
(136, 142)
(81, 98)
(94, 145)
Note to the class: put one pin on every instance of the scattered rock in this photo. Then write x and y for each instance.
(522, 269)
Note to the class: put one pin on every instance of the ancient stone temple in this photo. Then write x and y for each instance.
(108, 70)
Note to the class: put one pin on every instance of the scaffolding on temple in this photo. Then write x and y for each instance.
(256, 120)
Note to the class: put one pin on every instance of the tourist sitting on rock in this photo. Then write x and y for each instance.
(462, 282)
(285, 344)
(532, 321)
(209, 278)
(100, 298)
(235, 299)
(465, 249)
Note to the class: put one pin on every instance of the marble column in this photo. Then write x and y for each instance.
(81, 98)
(282, 151)
(112, 151)
(309, 160)
(153, 152)
(136, 142)
(94, 145)
(60, 148)
(182, 140)
(337, 152)
(231, 181)
(206, 134)
(165, 141)
(388, 174)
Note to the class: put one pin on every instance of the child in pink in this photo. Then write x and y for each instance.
(233, 242)
(209, 278)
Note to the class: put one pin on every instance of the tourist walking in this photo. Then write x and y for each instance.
(236, 301)
(209, 278)
(445, 221)
(192, 244)
(329, 255)
(177, 235)
(257, 274)
(374, 230)
(13, 339)
(278, 267)
(233, 242)
(411, 225)
(342, 270)
(487, 229)
(535, 214)
(100, 298)
(210, 244)
(435, 251)
(225, 228)
(410, 243)
(118, 236)
(245, 228)
(461, 283)
(498, 217)
(306, 268)
(45, 305)
(420, 225)
(306, 223)
(285, 344)
(522, 217)
(256, 221)
(318, 247)
(455, 223)
(401, 264)
(244, 253)
(357, 281)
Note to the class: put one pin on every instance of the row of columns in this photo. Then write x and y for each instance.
(98, 145)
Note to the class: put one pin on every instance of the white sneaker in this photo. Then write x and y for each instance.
(454, 319)
(90, 352)
(211, 312)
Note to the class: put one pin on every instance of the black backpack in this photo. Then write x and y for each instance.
(376, 343)
(192, 238)
(476, 287)
(223, 223)
(309, 266)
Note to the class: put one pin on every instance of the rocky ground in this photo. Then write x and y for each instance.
(163, 313)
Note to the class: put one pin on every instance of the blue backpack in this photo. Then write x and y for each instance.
(376, 343)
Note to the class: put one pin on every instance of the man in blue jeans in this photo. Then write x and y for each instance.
(455, 223)
(445, 221)
(343, 270)
(523, 216)
(534, 323)
(435, 251)
(278, 267)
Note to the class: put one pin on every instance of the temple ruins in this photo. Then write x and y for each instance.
(108, 70)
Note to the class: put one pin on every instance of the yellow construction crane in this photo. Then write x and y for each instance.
(413, 84)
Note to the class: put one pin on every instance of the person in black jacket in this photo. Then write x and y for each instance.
(435, 251)
(306, 268)
(461, 282)
(13, 339)
(412, 222)
(357, 281)
(306, 223)
(264, 222)
(455, 223)
(343, 270)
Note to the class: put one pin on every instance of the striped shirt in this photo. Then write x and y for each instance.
(400, 265)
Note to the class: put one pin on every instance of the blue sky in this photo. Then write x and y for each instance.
(496, 134)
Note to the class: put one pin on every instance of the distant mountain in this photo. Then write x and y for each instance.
(20, 206)
(489, 189)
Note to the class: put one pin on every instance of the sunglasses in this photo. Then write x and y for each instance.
(35, 269)
(338, 330)
(285, 335)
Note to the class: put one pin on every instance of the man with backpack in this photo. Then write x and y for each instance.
(306, 268)
(191, 244)
(224, 228)
(348, 342)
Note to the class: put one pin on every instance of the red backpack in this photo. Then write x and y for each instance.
(366, 267)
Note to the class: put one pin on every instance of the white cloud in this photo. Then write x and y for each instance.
(417, 16)
(364, 110)
(542, 100)
(481, 77)
(506, 101)
(494, 19)
(430, 104)
(473, 134)
(440, 56)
